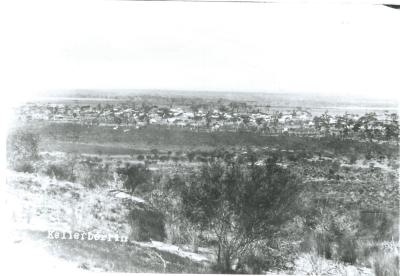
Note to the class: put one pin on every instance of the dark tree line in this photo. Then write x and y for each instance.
(367, 126)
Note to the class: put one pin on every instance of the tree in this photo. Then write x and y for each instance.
(240, 204)
(344, 124)
(325, 122)
(259, 121)
(275, 119)
(317, 123)
(243, 105)
(146, 107)
(195, 109)
(391, 126)
(197, 119)
(165, 112)
(223, 109)
(245, 119)
(234, 107)
(367, 123)
(155, 152)
(208, 119)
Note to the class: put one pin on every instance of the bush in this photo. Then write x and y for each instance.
(146, 224)
(201, 159)
(177, 233)
(335, 243)
(266, 255)
(379, 224)
(164, 158)
(134, 176)
(191, 155)
(93, 173)
(60, 172)
(323, 244)
(166, 199)
(140, 157)
(347, 250)
(26, 167)
(353, 158)
(22, 150)
(240, 203)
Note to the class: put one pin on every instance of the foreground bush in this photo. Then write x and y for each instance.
(92, 173)
(22, 150)
(146, 224)
(241, 203)
(60, 171)
(347, 250)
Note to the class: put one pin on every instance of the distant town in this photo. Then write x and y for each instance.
(233, 116)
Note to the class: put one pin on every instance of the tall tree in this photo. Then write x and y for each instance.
(366, 124)
(240, 204)
(391, 126)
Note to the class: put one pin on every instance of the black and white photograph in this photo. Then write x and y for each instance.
(200, 137)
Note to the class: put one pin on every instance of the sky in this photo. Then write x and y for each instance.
(344, 49)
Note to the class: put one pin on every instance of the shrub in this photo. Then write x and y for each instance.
(324, 245)
(22, 150)
(386, 265)
(347, 250)
(60, 172)
(134, 176)
(266, 255)
(146, 224)
(175, 159)
(353, 158)
(164, 158)
(201, 159)
(92, 173)
(166, 199)
(26, 167)
(379, 224)
(177, 233)
(191, 155)
(140, 157)
(241, 203)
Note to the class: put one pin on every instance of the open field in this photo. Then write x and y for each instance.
(107, 140)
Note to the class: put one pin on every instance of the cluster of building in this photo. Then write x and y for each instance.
(125, 116)
(128, 115)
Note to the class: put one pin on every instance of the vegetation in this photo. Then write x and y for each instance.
(134, 176)
(93, 139)
(241, 205)
(116, 257)
(147, 224)
(257, 197)
(22, 150)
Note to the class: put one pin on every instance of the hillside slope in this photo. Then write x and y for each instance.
(35, 204)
